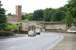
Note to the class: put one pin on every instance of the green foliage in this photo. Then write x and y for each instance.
(23, 17)
(2, 26)
(2, 14)
(58, 16)
(71, 6)
(10, 27)
(70, 12)
(54, 15)
(68, 20)
(9, 14)
(38, 15)
(48, 14)
(27, 17)
(2, 17)
(47, 17)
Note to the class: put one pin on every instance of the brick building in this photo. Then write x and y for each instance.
(18, 12)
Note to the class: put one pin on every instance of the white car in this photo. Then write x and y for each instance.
(37, 31)
(31, 33)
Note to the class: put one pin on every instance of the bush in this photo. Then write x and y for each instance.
(2, 33)
(10, 27)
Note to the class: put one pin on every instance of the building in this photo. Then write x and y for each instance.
(18, 12)
(16, 17)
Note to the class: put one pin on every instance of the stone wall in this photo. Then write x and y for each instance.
(55, 27)
(48, 26)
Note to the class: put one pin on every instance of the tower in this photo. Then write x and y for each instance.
(18, 12)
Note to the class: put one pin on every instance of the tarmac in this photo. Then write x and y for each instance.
(44, 41)
(68, 43)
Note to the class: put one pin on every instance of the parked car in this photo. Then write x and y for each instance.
(31, 30)
(31, 33)
(37, 31)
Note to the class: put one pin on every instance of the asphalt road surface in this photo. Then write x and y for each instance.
(68, 43)
(39, 42)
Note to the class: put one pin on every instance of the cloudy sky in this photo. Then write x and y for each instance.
(31, 5)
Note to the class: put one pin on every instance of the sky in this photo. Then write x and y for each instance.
(29, 6)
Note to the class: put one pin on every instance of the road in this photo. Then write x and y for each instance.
(68, 43)
(40, 42)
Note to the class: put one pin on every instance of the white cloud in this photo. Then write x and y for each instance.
(31, 5)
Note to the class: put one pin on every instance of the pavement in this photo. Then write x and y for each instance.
(68, 43)
(39, 42)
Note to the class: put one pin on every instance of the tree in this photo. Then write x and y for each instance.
(2, 17)
(71, 7)
(2, 14)
(27, 17)
(9, 14)
(38, 15)
(48, 14)
(58, 16)
(68, 20)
